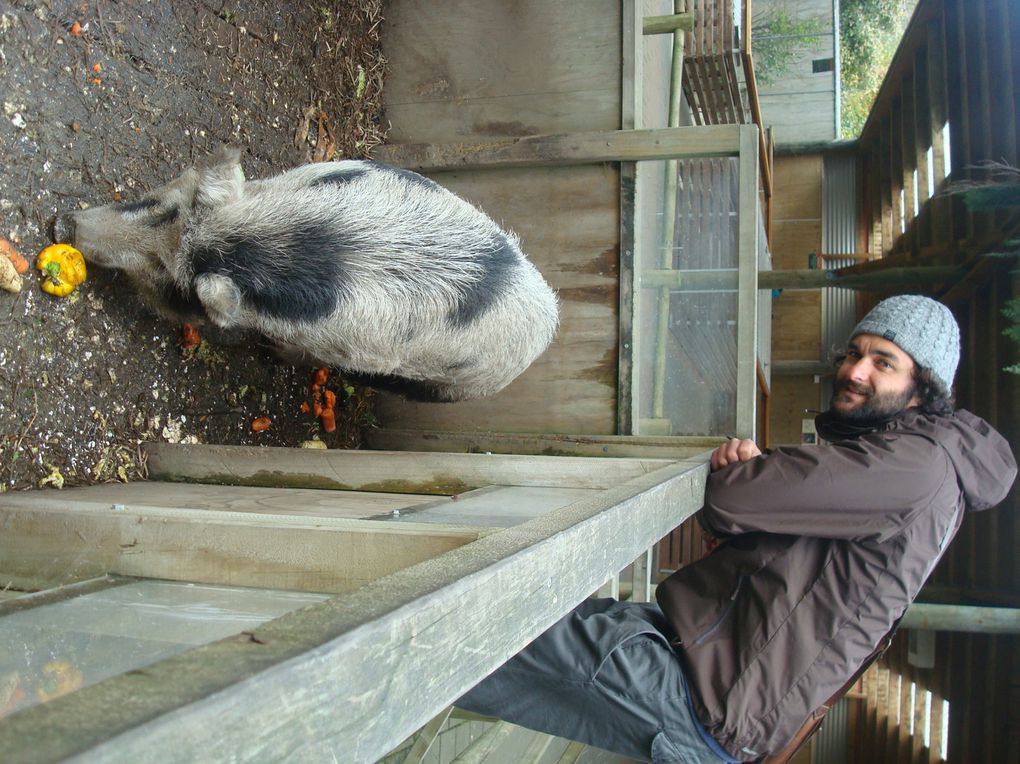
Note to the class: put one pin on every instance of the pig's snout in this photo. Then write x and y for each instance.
(63, 229)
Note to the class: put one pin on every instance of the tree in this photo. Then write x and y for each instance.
(869, 33)
(778, 37)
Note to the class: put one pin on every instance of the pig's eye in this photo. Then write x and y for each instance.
(149, 212)
(139, 206)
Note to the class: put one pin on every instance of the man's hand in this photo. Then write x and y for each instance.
(732, 451)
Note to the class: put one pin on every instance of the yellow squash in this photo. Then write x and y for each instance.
(63, 269)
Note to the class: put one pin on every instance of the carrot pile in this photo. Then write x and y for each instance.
(323, 401)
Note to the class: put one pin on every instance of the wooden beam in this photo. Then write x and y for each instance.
(566, 149)
(422, 637)
(747, 284)
(668, 24)
(631, 234)
(983, 620)
(50, 595)
(874, 279)
(395, 472)
(53, 538)
(675, 447)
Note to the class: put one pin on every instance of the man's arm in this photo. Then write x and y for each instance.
(868, 488)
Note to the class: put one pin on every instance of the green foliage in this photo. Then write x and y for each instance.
(777, 39)
(1011, 310)
(869, 32)
(992, 197)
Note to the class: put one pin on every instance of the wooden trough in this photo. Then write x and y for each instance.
(432, 582)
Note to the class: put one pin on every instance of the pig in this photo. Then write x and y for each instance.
(352, 264)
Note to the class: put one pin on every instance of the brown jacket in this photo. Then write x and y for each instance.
(825, 547)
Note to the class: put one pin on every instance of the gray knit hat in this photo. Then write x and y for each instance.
(922, 327)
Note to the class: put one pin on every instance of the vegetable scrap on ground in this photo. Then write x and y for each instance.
(103, 101)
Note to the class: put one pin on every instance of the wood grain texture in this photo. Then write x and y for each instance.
(52, 540)
(562, 149)
(394, 471)
(550, 445)
(467, 70)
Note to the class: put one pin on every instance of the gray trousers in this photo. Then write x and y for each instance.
(604, 675)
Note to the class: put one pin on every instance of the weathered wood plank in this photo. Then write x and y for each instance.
(567, 149)
(844, 278)
(423, 635)
(631, 196)
(395, 471)
(985, 620)
(51, 539)
(747, 284)
(668, 24)
(463, 70)
(15, 601)
(263, 500)
(548, 445)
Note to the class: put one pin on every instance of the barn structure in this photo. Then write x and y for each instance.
(282, 605)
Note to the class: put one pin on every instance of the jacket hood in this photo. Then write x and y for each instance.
(984, 463)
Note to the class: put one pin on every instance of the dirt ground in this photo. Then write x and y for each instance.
(103, 100)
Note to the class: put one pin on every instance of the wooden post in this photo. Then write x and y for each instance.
(641, 582)
(426, 737)
(631, 238)
(984, 620)
(803, 279)
(668, 231)
(747, 284)
(676, 22)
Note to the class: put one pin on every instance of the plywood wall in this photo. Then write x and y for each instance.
(465, 70)
(469, 71)
(568, 221)
(796, 315)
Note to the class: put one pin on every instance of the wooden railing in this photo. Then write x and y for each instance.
(719, 80)
(946, 109)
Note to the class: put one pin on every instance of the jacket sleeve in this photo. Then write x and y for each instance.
(868, 488)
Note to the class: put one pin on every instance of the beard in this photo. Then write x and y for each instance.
(873, 407)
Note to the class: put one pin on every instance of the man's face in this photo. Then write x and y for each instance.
(875, 380)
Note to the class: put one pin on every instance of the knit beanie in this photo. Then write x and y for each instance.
(920, 326)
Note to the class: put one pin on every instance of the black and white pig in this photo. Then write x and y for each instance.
(352, 264)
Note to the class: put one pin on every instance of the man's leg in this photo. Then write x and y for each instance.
(604, 675)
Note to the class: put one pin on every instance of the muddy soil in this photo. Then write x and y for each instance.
(103, 101)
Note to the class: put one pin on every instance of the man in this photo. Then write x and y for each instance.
(824, 547)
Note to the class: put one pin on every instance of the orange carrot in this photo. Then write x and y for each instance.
(190, 338)
(20, 263)
(261, 424)
(328, 420)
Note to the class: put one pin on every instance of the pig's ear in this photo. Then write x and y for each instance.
(220, 179)
(220, 297)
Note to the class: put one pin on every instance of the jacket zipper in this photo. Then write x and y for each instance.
(722, 616)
